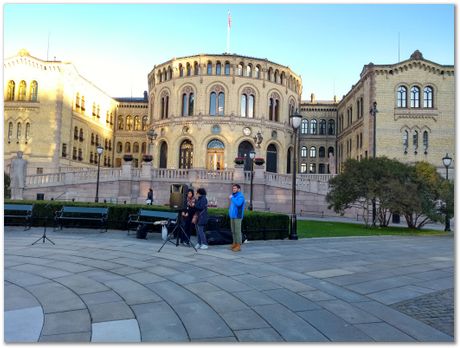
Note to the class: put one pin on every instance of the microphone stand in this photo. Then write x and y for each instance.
(44, 237)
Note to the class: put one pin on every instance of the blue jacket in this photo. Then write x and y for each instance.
(236, 208)
(201, 206)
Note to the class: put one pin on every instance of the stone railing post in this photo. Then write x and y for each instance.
(238, 174)
(146, 171)
(126, 170)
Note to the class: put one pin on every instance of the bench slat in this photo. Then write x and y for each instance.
(18, 207)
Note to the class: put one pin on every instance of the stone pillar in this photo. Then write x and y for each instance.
(238, 174)
(258, 201)
(146, 171)
(126, 170)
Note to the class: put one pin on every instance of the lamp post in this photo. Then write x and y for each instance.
(295, 119)
(373, 111)
(446, 160)
(152, 136)
(252, 155)
(99, 150)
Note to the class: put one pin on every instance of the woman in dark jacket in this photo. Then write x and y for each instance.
(201, 206)
(187, 216)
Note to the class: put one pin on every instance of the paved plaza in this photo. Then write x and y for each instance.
(111, 287)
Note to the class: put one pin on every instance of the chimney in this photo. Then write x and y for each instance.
(313, 98)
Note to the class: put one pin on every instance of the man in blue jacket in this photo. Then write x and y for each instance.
(236, 212)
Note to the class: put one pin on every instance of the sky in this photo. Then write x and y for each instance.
(115, 46)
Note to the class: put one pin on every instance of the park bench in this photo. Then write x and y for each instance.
(67, 213)
(18, 214)
(152, 217)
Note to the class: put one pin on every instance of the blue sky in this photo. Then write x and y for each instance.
(116, 45)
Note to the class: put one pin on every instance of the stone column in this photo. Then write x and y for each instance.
(238, 174)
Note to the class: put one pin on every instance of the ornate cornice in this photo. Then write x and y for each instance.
(416, 114)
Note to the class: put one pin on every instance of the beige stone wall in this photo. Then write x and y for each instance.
(199, 126)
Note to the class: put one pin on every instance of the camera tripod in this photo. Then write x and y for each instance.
(180, 234)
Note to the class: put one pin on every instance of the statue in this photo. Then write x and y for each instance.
(18, 174)
(331, 161)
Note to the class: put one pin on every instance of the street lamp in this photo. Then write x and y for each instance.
(373, 111)
(295, 119)
(99, 150)
(152, 136)
(446, 160)
(252, 155)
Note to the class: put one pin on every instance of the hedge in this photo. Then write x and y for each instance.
(256, 225)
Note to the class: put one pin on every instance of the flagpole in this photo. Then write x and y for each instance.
(229, 24)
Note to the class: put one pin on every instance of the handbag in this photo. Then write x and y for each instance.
(195, 218)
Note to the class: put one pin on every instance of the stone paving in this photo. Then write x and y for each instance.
(111, 287)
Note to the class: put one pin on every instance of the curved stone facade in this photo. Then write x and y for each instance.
(193, 102)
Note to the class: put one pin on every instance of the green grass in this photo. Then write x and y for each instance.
(311, 229)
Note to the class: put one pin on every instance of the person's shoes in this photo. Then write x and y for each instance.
(233, 245)
(237, 247)
(203, 246)
(198, 246)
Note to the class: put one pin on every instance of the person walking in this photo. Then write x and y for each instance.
(187, 216)
(201, 207)
(235, 213)
(149, 199)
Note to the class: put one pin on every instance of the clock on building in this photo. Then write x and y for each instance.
(247, 131)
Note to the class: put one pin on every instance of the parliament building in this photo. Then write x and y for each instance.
(203, 111)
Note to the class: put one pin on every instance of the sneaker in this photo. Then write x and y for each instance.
(203, 246)
(198, 246)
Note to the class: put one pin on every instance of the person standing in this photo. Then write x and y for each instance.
(149, 199)
(235, 213)
(201, 207)
(187, 216)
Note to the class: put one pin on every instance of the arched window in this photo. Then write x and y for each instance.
(218, 68)
(221, 103)
(247, 104)
(249, 70)
(257, 72)
(81, 138)
(415, 97)
(188, 101)
(303, 167)
(136, 147)
(322, 152)
(425, 141)
(415, 140)
(189, 69)
(239, 70)
(212, 103)
(127, 147)
(321, 169)
(184, 104)
(313, 126)
(209, 68)
(312, 152)
(312, 168)
(270, 74)
(291, 107)
(196, 68)
(10, 90)
(186, 155)
(129, 123)
(331, 127)
(18, 130)
(227, 68)
(170, 73)
(304, 126)
(121, 123)
(402, 97)
(405, 140)
(322, 127)
(137, 123)
(303, 151)
(144, 123)
(274, 107)
(277, 76)
(80, 155)
(10, 130)
(144, 148)
(75, 133)
(330, 151)
(272, 159)
(163, 155)
(164, 106)
(119, 147)
(181, 70)
(428, 97)
(217, 101)
(22, 90)
(97, 140)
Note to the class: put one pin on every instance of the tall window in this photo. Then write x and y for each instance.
(137, 123)
(217, 102)
(247, 103)
(189, 69)
(322, 127)
(303, 168)
(209, 68)
(121, 123)
(313, 168)
(239, 70)
(136, 147)
(304, 126)
(274, 107)
(196, 68)
(10, 130)
(313, 127)
(188, 101)
(321, 168)
(127, 147)
(227, 68)
(405, 140)
(428, 97)
(19, 130)
(425, 140)
(218, 68)
(312, 152)
(257, 72)
(64, 150)
(291, 107)
(303, 151)
(144, 123)
(322, 152)
(129, 123)
(181, 70)
(10, 90)
(164, 106)
(415, 140)
(331, 127)
(249, 70)
(415, 97)
(22, 90)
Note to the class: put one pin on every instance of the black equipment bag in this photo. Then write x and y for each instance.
(141, 231)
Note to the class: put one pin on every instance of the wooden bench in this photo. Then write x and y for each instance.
(99, 215)
(152, 217)
(16, 213)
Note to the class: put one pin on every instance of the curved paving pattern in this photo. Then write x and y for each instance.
(110, 287)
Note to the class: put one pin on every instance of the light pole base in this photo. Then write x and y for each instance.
(293, 234)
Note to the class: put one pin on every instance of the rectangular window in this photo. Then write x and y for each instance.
(64, 150)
